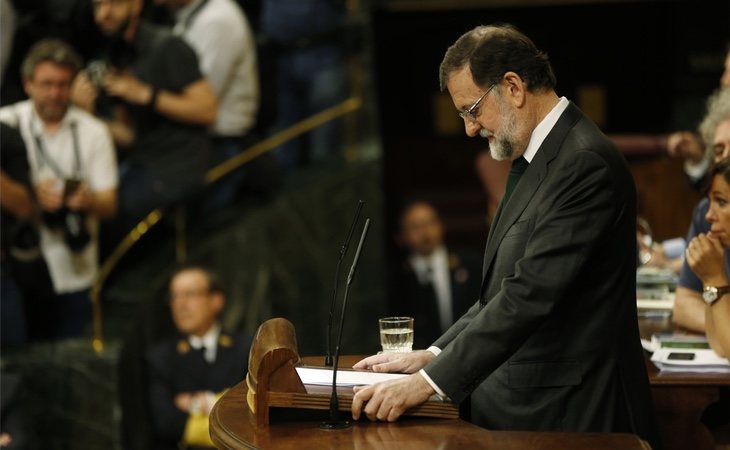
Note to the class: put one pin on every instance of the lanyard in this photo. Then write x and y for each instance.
(189, 19)
(43, 155)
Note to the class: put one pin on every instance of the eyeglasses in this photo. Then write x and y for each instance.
(189, 295)
(98, 3)
(471, 113)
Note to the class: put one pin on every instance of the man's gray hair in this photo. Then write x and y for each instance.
(718, 111)
(54, 51)
(491, 51)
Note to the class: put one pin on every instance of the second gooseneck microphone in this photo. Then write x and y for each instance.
(343, 251)
(335, 422)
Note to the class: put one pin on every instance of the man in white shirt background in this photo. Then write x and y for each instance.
(220, 34)
(74, 173)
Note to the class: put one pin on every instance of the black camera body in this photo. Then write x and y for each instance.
(73, 225)
(96, 71)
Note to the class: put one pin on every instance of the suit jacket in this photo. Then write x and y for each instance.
(175, 367)
(553, 344)
(409, 297)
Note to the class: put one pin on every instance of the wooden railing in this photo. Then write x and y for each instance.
(266, 145)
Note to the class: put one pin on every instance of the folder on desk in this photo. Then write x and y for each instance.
(672, 339)
(689, 360)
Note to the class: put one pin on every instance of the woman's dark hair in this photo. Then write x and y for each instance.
(723, 169)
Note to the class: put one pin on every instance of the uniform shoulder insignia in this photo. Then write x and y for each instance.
(453, 261)
(183, 346)
(461, 276)
(225, 341)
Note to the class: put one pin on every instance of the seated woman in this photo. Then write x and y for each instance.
(706, 255)
(689, 309)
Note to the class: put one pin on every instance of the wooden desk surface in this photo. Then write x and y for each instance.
(681, 398)
(657, 378)
(232, 426)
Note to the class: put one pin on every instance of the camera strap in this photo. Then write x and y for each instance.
(189, 19)
(44, 157)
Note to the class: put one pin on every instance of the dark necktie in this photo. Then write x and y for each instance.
(519, 166)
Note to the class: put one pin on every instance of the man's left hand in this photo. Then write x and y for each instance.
(128, 87)
(80, 199)
(388, 400)
(705, 256)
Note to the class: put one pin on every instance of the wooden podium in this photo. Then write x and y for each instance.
(253, 414)
(272, 380)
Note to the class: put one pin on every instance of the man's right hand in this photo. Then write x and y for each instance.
(84, 92)
(49, 194)
(396, 362)
(686, 145)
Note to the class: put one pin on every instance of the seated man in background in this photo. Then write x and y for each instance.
(149, 88)
(434, 285)
(689, 308)
(74, 172)
(690, 145)
(188, 374)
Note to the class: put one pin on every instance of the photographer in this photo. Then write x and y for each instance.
(74, 173)
(148, 87)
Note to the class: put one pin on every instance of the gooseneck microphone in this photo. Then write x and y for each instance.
(335, 422)
(343, 251)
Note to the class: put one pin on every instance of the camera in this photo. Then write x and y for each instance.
(72, 223)
(96, 71)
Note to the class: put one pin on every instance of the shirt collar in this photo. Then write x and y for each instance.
(421, 264)
(543, 128)
(209, 340)
(37, 123)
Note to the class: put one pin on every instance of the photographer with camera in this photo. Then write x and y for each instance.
(74, 174)
(148, 88)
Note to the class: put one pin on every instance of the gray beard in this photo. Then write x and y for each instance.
(503, 147)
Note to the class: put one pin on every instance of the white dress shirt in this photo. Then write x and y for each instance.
(222, 38)
(434, 269)
(209, 341)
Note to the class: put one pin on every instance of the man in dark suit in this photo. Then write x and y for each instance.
(188, 374)
(434, 284)
(553, 343)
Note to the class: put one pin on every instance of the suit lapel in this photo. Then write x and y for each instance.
(511, 211)
(507, 214)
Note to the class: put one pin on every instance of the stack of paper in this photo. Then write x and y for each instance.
(655, 290)
(345, 377)
(689, 360)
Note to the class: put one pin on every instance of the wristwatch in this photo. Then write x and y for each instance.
(712, 293)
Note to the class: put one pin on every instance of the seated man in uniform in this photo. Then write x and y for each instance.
(188, 374)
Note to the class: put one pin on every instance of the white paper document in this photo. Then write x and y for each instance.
(320, 376)
(689, 360)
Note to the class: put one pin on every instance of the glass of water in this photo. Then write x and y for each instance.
(396, 334)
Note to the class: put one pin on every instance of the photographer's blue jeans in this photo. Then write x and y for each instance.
(73, 314)
(12, 316)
